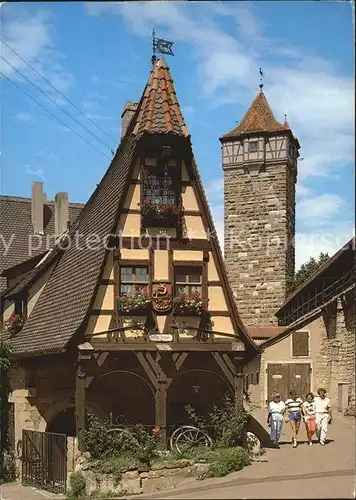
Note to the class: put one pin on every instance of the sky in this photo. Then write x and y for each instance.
(97, 55)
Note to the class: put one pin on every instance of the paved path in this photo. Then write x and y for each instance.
(303, 472)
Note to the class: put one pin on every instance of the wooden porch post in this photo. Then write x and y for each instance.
(161, 409)
(80, 406)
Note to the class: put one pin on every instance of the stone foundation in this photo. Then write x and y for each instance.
(163, 476)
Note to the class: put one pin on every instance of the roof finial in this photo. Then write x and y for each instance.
(261, 78)
(153, 59)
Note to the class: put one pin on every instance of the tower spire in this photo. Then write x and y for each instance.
(153, 59)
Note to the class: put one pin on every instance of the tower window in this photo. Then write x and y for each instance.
(158, 187)
(253, 146)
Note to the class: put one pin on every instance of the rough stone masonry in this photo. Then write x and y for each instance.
(259, 239)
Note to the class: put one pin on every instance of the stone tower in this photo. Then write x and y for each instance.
(259, 159)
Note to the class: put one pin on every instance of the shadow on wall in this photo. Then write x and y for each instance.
(259, 431)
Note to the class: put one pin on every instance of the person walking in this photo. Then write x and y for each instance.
(276, 410)
(323, 415)
(308, 411)
(293, 414)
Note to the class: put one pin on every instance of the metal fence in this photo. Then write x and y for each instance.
(44, 460)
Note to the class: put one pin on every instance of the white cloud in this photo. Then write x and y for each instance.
(318, 100)
(24, 117)
(32, 38)
(35, 172)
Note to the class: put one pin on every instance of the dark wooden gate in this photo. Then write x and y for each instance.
(285, 376)
(44, 460)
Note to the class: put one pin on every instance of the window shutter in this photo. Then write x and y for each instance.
(300, 344)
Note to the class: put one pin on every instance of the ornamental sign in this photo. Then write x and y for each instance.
(161, 297)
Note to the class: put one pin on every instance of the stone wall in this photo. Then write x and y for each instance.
(259, 239)
(162, 476)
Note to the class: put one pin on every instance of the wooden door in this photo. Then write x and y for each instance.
(282, 377)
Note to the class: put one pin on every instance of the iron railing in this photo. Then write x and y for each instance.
(44, 460)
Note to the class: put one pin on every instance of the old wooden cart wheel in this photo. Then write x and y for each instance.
(187, 437)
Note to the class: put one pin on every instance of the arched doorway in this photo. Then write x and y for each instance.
(63, 423)
(198, 388)
(125, 396)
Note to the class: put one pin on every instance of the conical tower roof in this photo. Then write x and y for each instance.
(158, 110)
(259, 118)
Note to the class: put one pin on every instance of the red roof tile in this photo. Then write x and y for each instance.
(159, 111)
(259, 118)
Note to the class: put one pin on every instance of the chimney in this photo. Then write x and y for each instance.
(37, 212)
(127, 115)
(61, 213)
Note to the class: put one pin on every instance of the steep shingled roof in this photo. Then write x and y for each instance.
(259, 118)
(63, 307)
(16, 227)
(159, 111)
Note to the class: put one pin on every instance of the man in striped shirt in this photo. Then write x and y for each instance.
(293, 414)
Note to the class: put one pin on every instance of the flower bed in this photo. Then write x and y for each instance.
(190, 305)
(14, 324)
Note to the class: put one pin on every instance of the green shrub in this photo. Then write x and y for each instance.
(226, 425)
(102, 442)
(229, 460)
(115, 466)
(77, 484)
(9, 470)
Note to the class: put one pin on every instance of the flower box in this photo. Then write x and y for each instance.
(139, 304)
(189, 305)
(160, 215)
(14, 324)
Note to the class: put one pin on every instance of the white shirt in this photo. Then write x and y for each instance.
(309, 408)
(274, 407)
(321, 405)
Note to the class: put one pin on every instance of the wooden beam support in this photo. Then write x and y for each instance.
(142, 346)
(229, 376)
(148, 370)
(100, 359)
(80, 405)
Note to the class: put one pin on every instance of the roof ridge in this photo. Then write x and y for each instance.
(24, 199)
(158, 111)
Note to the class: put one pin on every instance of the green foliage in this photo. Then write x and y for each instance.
(115, 466)
(229, 460)
(103, 495)
(7, 471)
(103, 442)
(226, 425)
(77, 487)
(306, 270)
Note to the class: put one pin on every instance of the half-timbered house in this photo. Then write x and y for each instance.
(131, 313)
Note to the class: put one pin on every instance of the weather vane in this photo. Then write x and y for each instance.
(160, 45)
(261, 78)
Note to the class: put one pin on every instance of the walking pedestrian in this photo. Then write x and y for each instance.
(308, 411)
(293, 414)
(276, 410)
(323, 415)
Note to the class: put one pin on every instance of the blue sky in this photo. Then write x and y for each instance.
(98, 55)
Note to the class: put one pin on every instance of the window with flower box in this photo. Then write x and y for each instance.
(133, 279)
(188, 280)
(188, 291)
(160, 204)
(133, 293)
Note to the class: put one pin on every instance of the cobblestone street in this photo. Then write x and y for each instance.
(304, 472)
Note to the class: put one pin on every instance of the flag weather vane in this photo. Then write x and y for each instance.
(160, 45)
(261, 78)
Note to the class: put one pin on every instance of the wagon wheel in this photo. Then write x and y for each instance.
(187, 437)
(120, 430)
